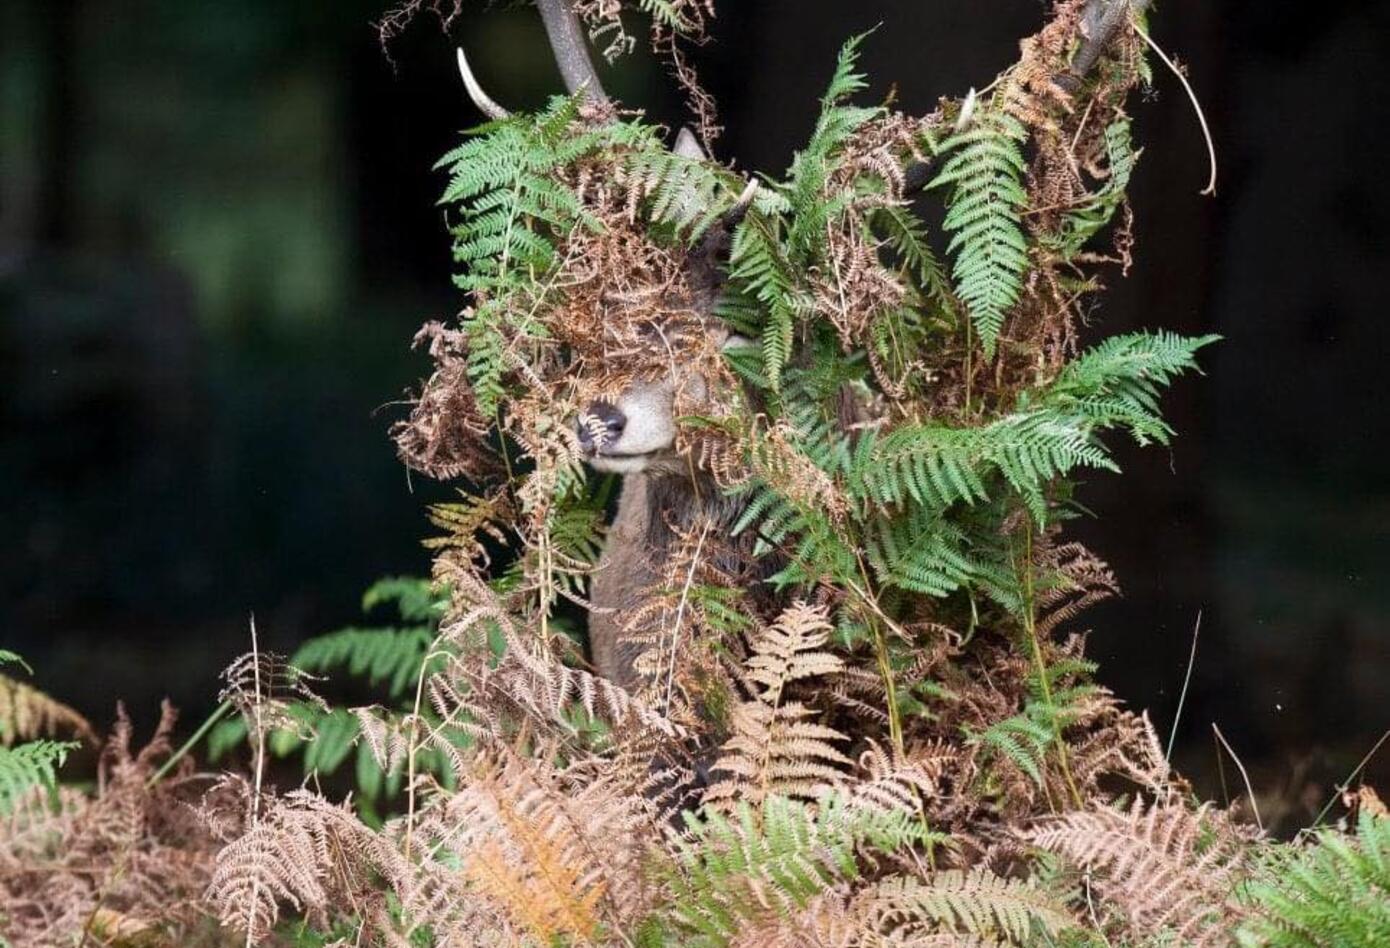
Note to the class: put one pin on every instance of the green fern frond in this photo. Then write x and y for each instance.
(667, 14)
(761, 271)
(1021, 739)
(1117, 383)
(768, 861)
(12, 658)
(377, 655)
(936, 466)
(1334, 891)
(686, 194)
(986, 198)
(415, 598)
(1094, 213)
(906, 237)
(28, 766)
(921, 553)
(811, 168)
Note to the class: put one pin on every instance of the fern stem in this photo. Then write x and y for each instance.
(188, 745)
(895, 724)
(1030, 625)
(414, 745)
(1342, 787)
(885, 667)
(260, 776)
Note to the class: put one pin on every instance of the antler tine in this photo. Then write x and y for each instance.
(688, 146)
(1103, 19)
(481, 99)
(571, 49)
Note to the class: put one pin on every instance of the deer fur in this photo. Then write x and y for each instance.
(663, 492)
(651, 508)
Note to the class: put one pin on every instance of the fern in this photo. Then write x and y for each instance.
(1004, 912)
(685, 194)
(29, 766)
(26, 712)
(936, 466)
(986, 198)
(1331, 893)
(811, 167)
(770, 860)
(1094, 213)
(512, 212)
(391, 658)
(772, 251)
(1116, 384)
(775, 748)
(757, 265)
(1170, 870)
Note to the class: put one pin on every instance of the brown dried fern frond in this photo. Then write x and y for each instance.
(27, 713)
(263, 687)
(310, 854)
(558, 850)
(954, 907)
(776, 747)
(130, 857)
(890, 781)
(1076, 579)
(1118, 743)
(1166, 868)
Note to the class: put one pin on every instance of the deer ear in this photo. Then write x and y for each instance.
(688, 146)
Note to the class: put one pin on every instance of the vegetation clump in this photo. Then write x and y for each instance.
(893, 736)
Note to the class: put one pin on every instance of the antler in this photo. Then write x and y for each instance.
(481, 99)
(1102, 19)
(571, 49)
(571, 53)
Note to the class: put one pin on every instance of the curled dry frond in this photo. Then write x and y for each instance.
(446, 436)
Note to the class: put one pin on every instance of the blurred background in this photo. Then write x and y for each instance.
(218, 235)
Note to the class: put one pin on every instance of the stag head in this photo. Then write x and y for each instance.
(633, 429)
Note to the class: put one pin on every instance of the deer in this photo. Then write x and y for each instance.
(665, 490)
(634, 435)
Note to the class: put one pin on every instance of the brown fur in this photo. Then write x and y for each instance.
(652, 508)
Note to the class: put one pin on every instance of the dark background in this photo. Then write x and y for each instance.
(218, 235)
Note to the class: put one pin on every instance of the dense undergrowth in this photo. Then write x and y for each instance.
(891, 737)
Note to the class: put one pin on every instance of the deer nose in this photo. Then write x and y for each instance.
(599, 425)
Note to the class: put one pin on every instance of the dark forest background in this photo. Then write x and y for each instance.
(218, 235)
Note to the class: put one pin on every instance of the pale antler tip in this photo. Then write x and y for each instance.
(745, 197)
(481, 99)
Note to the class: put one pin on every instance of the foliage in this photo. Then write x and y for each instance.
(124, 863)
(983, 217)
(861, 713)
(1335, 890)
(29, 715)
(388, 659)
